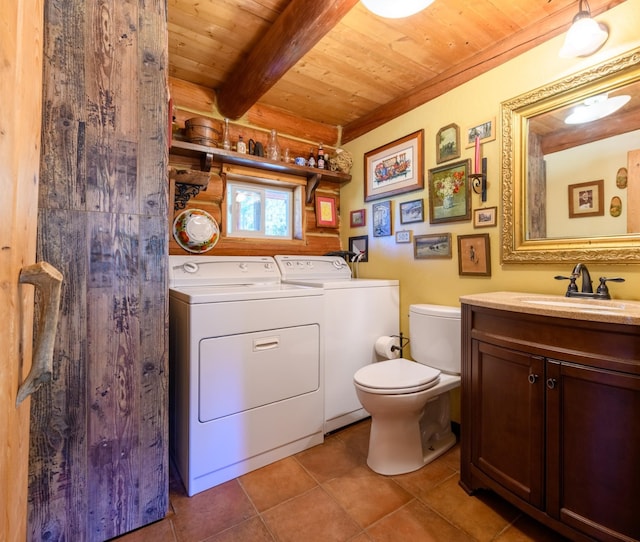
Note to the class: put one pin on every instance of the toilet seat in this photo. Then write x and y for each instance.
(396, 376)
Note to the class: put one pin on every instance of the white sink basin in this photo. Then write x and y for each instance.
(577, 304)
(602, 306)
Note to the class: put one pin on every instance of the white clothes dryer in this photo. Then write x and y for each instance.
(356, 313)
(246, 367)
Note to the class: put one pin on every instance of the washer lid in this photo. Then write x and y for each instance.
(396, 374)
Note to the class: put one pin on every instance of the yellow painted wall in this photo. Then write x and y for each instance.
(437, 281)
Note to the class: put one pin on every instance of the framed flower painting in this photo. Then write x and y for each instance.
(449, 194)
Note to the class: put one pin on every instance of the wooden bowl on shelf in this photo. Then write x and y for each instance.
(203, 131)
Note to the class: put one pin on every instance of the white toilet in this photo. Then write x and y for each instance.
(409, 401)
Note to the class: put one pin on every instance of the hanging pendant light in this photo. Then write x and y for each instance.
(395, 9)
(585, 36)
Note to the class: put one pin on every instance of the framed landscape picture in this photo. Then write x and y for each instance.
(448, 143)
(412, 211)
(485, 131)
(485, 217)
(432, 246)
(358, 218)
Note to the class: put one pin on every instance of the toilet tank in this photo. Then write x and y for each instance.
(434, 334)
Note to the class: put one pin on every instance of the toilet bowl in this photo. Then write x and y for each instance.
(409, 400)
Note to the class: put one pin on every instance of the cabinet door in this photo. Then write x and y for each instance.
(508, 419)
(593, 450)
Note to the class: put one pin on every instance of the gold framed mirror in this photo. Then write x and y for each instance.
(545, 161)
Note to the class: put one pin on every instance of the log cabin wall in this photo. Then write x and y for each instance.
(298, 135)
(99, 455)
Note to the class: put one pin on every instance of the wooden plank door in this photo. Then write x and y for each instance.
(98, 449)
(21, 23)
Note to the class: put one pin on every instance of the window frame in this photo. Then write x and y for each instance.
(289, 183)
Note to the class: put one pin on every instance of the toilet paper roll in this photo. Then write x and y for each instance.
(385, 347)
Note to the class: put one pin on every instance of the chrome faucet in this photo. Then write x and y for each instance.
(581, 271)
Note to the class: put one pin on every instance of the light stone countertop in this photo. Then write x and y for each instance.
(618, 311)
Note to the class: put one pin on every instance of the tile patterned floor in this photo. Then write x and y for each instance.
(328, 494)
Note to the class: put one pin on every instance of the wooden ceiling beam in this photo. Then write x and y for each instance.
(501, 52)
(299, 27)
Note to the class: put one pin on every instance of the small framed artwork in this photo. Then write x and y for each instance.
(433, 246)
(486, 131)
(449, 194)
(483, 218)
(326, 216)
(448, 143)
(586, 199)
(358, 218)
(412, 211)
(394, 168)
(360, 246)
(403, 236)
(382, 219)
(474, 255)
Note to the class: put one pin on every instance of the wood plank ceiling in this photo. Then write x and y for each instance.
(332, 62)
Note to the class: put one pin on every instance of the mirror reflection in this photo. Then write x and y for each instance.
(567, 186)
(573, 146)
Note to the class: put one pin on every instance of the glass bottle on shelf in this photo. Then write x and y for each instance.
(226, 138)
(321, 158)
(311, 161)
(241, 146)
(273, 147)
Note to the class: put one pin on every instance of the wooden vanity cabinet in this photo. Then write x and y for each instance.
(551, 419)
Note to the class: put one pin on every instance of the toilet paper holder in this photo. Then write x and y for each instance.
(402, 344)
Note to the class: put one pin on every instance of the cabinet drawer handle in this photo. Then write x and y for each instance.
(551, 383)
(533, 378)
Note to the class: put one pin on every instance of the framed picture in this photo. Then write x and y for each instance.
(395, 168)
(403, 236)
(412, 211)
(326, 216)
(448, 143)
(360, 246)
(486, 131)
(382, 219)
(426, 247)
(483, 218)
(449, 194)
(358, 218)
(474, 255)
(586, 199)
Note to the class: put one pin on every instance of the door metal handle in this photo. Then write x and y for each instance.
(551, 383)
(533, 378)
(48, 280)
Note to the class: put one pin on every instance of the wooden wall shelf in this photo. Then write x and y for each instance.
(210, 155)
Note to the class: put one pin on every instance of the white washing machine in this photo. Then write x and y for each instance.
(246, 367)
(356, 313)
